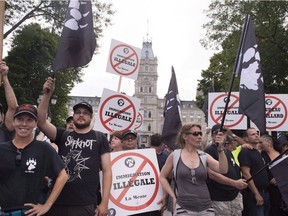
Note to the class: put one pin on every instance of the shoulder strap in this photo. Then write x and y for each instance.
(203, 157)
(64, 136)
(98, 136)
(176, 157)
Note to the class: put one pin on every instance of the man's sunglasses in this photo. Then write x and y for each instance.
(18, 158)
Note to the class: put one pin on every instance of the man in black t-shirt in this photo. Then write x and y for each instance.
(225, 189)
(156, 143)
(83, 152)
(256, 196)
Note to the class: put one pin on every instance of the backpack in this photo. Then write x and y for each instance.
(176, 157)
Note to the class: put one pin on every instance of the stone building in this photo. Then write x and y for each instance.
(151, 105)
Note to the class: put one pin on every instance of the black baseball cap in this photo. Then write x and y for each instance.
(27, 109)
(229, 140)
(69, 119)
(125, 133)
(84, 105)
(216, 128)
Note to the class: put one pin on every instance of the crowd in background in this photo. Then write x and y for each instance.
(54, 171)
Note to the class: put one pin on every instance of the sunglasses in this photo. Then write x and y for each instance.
(18, 158)
(195, 133)
(193, 172)
(130, 137)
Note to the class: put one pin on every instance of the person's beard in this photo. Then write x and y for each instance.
(83, 125)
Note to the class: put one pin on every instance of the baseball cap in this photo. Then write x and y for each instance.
(125, 133)
(229, 140)
(27, 109)
(216, 128)
(83, 105)
(69, 119)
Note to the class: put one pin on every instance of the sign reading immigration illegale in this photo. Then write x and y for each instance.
(124, 60)
(116, 112)
(135, 183)
(139, 121)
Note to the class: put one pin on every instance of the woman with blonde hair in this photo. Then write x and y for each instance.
(190, 172)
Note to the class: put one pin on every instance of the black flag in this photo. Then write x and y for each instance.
(77, 43)
(251, 93)
(205, 104)
(172, 119)
(281, 137)
(279, 171)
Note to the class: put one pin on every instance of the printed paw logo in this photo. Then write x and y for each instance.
(31, 163)
(76, 16)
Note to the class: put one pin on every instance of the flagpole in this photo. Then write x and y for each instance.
(119, 84)
(266, 165)
(2, 9)
(235, 70)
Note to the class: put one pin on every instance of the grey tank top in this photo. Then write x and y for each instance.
(193, 193)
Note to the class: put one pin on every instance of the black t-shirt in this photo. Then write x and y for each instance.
(5, 134)
(252, 158)
(161, 158)
(81, 154)
(23, 183)
(221, 192)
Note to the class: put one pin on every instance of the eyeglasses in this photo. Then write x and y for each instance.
(18, 158)
(195, 133)
(129, 137)
(83, 113)
(194, 179)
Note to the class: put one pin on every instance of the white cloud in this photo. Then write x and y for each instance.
(175, 28)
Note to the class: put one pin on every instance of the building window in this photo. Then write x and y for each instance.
(141, 89)
(149, 114)
(150, 89)
(146, 68)
(145, 113)
(149, 127)
(147, 53)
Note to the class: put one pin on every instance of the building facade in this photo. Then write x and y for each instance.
(151, 106)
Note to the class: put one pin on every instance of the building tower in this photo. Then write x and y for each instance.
(146, 90)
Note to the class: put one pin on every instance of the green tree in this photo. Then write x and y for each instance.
(30, 58)
(223, 32)
(52, 13)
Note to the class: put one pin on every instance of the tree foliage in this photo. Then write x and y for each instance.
(52, 14)
(29, 60)
(223, 32)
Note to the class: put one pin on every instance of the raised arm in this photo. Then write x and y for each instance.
(43, 123)
(222, 165)
(9, 95)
